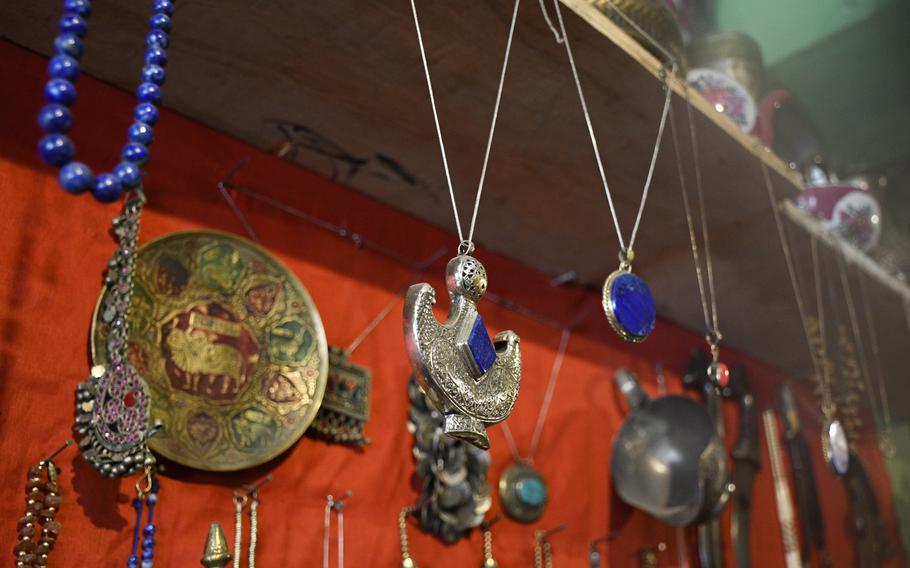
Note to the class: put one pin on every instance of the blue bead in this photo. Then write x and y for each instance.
(481, 347)
(152, 497)
(81, 7)
(531, 491)
(147, 563)
(147, 113)
(76, 177)
(135, 153)
(160, 22)
(148, 553)
(149, 93)
(63, 67)
(60, 91)
(133, 562)
(165, 7)
(56, 149)
(153, 74)
(149, 529)
(68, 44)
(55, 119)
(107, 188)
(129, 174)
(157, 38)
(73, 24)
(632, 304)
(140, 133)
(155, 56)
(148, 542)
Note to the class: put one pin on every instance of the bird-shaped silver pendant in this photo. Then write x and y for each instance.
(471, 380)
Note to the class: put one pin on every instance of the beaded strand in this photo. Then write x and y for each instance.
(42, 502)
(56, 119)
(148, 531)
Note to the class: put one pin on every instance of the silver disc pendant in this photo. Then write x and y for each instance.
(629, 305)
(523, 493)
(471, 380)
(835, 448)
(111, 416)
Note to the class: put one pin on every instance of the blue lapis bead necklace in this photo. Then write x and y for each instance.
(144, 533)
(627, 300)
(56, 118)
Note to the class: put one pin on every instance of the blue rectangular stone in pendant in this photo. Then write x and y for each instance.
(481, 346)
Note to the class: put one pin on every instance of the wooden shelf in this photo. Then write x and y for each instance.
(345, 79)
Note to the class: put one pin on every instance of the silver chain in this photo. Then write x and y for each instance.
(332, 504)
(827, 397)
(563, 38)
(791, 269)
(238, 529)
(544, 406)
(709, 300)
(254, 528)
(873, 342)
(467, 243)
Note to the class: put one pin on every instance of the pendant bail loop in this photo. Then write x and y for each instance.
(626, 256)
(465, 248)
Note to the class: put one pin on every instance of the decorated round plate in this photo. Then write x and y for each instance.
(230, 345)
(727, 96)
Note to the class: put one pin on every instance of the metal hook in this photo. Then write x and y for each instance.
(253, 489)
(225, 182)
(65, 445)
(338, 504)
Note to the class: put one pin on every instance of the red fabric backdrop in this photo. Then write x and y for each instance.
(52, 251)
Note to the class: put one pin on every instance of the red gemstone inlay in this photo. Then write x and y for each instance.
(723, 375)
(130, 399)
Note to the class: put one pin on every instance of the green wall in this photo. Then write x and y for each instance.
(785, 27)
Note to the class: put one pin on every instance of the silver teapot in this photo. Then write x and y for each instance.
(667, 458)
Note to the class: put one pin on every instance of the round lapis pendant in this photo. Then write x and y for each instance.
(523, 493)
(629, 305)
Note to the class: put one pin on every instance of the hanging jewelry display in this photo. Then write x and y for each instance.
(345, 406)
(247, 495)
(627, 300)
(455, 495)
(718, 372)
(230, 345)
(60, 93)
(215, 554)
(834, 439)
(336, 506)
(543, 549)
(42, 501)
(472, 380)
(522, 489)
(112, 404)
(145, 495)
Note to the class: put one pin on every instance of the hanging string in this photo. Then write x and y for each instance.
(544, 406)
(709, 309)
(466, 244)
(791, 268)
(876, 355)
(563, 38)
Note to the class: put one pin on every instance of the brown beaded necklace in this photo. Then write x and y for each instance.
(41, 505)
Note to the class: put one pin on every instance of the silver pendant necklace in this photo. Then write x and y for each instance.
(472, 380)
(112, 405)
(833, 437)
(627, 300)
(718, 372)
(522, 489)
(336, 506)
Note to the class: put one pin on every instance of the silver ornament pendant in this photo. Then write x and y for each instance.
(523, 493)
(835, 448)
(471, 380)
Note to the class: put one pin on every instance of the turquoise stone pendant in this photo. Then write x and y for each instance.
(628, 303)
(523, 493)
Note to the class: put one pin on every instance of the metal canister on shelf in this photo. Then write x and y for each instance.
(732, 53)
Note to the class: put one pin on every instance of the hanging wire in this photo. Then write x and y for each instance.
(467, 244)
(563, 38)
